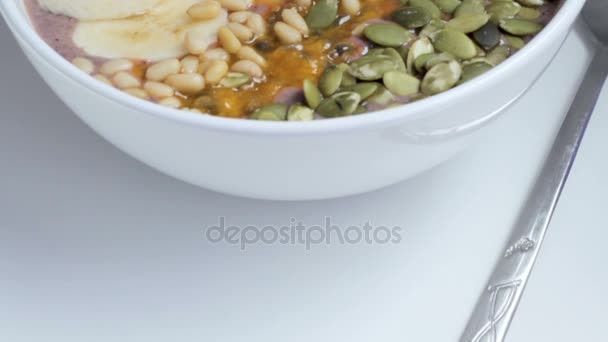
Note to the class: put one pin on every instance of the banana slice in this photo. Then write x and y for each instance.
(98, 9)
(158, 34)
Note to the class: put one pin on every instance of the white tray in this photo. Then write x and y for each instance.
(95, 246)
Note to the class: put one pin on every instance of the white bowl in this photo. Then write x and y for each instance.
(287, 160)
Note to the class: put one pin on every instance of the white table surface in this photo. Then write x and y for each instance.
(95, 246)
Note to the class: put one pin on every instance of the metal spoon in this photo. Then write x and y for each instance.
(498, 302)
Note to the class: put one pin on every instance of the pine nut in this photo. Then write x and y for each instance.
(295, 20)
(216, 53)
(125, 80)
(287, 34)
(84, 64)
(350, 7)
(248, 53)
(216, 71)
(196, 42)
(116, 65)
(161, 70)
(256, 23)
(204, 66)
(235, 5)
(228, 40)
(304, 3)
(137, 92)
(189, 64)
(171, 101)
(242, 32)
(239, 17)
(205, 10)
(186, 83)
(103, 79)
(248, 67)
(158, 90)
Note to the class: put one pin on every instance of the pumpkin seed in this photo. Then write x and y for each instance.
(392, 53)
(403, 51)
(420, 47)
(348, 80)
(498, 54)
(342, 66)
(420, 62)
(456, 43)
(365, 89)
(437, 58)
(531, 2)
(204, 101)
(375, 52)
(429, 6)
(502, 10)
(471, 71)
(347, 101)
(312, 94)
(300, 113)
(322, 14)
(519, 27)
(469, 7)
(271, 112)
(528, 13)
(514, 42)
(266, 116)
(360, 110)
(441, 77)
(235, 80)
(447, 6)
(330, 80)
(382, 96)
(468, 23)
(432, 28)
(401, 83)
(339, 104)
(387, 34)
(411, 17)
(487, 36)
(371, 68)
(480, 51)
(476, 60)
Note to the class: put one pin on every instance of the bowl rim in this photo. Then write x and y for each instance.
(383, 118)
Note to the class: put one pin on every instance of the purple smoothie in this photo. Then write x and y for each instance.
(56, 30)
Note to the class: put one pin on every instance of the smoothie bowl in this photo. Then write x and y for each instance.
(290, 100)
